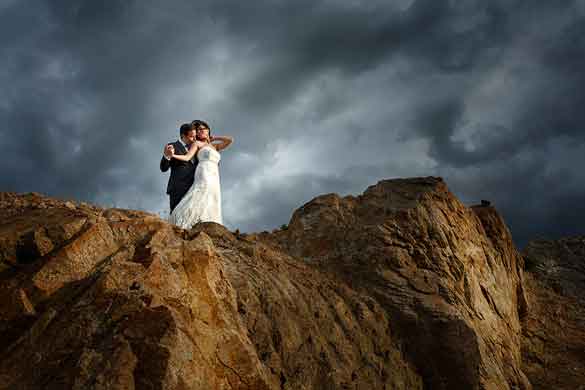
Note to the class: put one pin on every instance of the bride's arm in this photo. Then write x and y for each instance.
(189, 155)
(225, 142)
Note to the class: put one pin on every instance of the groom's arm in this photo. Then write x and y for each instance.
(165, 161)
(164, 164)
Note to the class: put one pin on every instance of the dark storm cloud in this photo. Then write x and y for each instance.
(80, 90)
(528, 160)
(321, 97)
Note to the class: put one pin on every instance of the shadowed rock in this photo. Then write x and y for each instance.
(553, 347)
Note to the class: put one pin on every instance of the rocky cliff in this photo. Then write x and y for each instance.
(554, 329)
(402, 287)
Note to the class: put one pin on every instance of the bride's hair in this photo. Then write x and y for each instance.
(196, 124)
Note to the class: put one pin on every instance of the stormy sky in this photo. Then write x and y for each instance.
(320, 96)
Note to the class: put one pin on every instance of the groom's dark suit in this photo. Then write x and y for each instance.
(182, 174)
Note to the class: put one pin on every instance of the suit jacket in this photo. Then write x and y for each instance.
(182, 172)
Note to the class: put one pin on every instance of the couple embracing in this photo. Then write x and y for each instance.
(194, 189)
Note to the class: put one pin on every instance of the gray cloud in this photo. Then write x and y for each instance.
(320, 96)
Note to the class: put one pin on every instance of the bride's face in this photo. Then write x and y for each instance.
(203, 133)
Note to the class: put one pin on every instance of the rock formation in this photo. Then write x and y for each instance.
(554, 330)
(448, 276)
(402, 287)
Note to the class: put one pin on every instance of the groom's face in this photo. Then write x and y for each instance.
(189, 137)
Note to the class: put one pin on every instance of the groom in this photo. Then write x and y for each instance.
(182, 173)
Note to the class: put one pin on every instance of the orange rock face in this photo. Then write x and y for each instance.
(124, 302)
(402, 287)
(448, 276)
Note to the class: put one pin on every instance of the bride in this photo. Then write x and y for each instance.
(202, 202)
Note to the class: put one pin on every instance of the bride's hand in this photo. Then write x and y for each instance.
(169, 150)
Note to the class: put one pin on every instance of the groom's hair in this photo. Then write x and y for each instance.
(185, 129)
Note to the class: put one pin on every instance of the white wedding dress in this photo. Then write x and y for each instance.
(202, 202)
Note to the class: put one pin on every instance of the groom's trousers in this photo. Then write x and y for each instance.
(175, 199)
